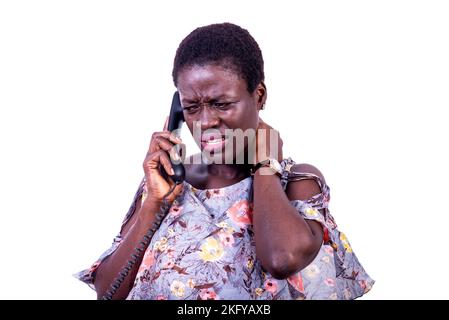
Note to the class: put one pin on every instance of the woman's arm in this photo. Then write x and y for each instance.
(132, 233)
(285, 242)
(144, 216)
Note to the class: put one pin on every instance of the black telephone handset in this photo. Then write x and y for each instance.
(175, 121)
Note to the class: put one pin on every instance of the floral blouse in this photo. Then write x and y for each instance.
(205, 249)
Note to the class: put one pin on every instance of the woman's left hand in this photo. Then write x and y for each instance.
(268, 143)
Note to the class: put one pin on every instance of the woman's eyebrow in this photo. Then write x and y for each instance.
(208, 99)
(222, 97)
(188, 101)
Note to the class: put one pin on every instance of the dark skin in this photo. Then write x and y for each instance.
(285, 242)
(218, 98)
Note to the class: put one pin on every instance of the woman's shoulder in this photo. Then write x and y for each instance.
(304, 180)
(307, 168)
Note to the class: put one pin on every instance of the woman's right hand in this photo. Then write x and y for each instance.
(158, 156)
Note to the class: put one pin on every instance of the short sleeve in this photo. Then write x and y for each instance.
(88, 275)
(314, 208)
(345, 277)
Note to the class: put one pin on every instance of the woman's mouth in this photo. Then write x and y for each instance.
(215, 144)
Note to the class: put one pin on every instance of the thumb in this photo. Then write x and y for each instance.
(176, 192)
(165, 125)
(178, 189)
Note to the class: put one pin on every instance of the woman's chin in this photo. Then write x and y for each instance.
(223, 158)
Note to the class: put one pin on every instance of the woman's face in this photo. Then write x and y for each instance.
(216, 102)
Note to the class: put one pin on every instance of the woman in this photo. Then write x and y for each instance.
(234, 230)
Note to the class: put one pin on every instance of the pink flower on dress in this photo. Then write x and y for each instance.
(208, 294)
(328, 249)
(241, 213)
(296, 282)
(271, 286)
(94, 267)
(214, 193)
(365, 285)
(147, 261)
(330, 282)
(226, 239)
(175, 210)
(161, 297)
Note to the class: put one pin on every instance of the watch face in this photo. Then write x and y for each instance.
(275, 165)
(272, 164)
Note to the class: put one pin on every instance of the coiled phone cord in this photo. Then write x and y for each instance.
(138, 251)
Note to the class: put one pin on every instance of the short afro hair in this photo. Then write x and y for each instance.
(225, 44)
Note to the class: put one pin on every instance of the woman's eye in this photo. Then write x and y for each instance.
(221, 105)
(217, 105)
(191, 109)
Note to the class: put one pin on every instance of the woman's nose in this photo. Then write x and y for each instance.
(208, 118)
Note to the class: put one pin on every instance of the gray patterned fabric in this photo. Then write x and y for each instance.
(204, 249)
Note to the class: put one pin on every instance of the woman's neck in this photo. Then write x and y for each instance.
(229, 171)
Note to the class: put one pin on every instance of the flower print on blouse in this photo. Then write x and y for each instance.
(205, 249)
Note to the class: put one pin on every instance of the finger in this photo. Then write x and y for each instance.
(165, 125)
(168, 135)
(266, 125)
(159, 157)
(161, 143)
(161, 139)
(176, 191)
(263, 124)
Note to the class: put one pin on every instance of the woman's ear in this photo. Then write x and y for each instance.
(261, 95)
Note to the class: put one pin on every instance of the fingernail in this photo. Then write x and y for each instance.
(172, 172)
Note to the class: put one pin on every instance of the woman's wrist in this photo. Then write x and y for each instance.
(148, 210)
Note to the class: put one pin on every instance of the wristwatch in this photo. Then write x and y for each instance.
(271, 163)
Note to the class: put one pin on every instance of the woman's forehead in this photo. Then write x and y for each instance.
(212, 81)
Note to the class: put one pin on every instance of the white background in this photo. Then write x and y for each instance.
(357, 88)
